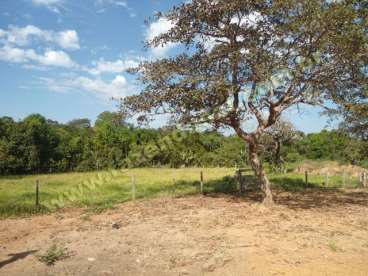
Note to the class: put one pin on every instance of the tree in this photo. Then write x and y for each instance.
(250, 60)
(40, 142)
(111, 140)
(281, 133)
(355, 117)
(353, 106)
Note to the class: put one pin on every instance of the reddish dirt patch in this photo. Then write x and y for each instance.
(314, 233)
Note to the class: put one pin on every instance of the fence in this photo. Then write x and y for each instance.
(340, 180)
(329, 181)
(201, 182)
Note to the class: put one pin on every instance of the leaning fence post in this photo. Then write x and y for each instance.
(201, 187)
(133, 187)
(306, 178)
(37, 194)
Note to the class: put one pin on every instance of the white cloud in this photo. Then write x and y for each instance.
(56, 58)
(156, 28)
(17, 55)
(118, 3)
(68, 39)
(22, 36)
(48, 58)
(121, 4)
(116, 88)
(52, 5)
(118, 66)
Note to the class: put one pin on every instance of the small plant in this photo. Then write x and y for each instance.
(334, 247)
(53, 254)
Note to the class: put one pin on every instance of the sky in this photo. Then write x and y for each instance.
(66, 59)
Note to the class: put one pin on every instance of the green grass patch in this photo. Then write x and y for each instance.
(17, 193)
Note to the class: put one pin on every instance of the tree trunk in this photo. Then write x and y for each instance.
(278, 153)
(257, 166)
(278, 161)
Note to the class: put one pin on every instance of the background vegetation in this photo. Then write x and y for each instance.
(37, 145)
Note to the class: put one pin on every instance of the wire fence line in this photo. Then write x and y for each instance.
(132, 184)
(241, 179)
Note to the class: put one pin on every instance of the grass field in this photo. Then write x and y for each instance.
(17, 193)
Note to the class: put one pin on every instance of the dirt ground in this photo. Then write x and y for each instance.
(309, 233)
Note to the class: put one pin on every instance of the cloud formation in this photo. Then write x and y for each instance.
(118, 3)
(23, 36)
(48, 58)
(18, 44)
(116, 88)
(162, 25)
(68, 39)
(118, 66)
(34, 48)
(52, 5)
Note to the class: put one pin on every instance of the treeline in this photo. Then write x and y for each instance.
(38, 145)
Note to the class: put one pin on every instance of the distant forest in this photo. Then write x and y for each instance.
(38, 145)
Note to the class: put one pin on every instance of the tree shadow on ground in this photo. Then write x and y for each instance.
(15, 257)
(290, 192)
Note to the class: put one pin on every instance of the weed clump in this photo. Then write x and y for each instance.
(53, 254)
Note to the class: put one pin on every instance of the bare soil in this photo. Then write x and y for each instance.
(317, 232)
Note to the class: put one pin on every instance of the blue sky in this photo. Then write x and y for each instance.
(65, 59)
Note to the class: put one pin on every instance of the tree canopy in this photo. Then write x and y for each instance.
(250, 60)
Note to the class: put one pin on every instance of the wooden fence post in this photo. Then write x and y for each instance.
(364, 179)
(133, 187)
(306, 178)
(37, 194)
(201, 187)
(344, 179)
(241, 184)
(326, 180)
(174, 187)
